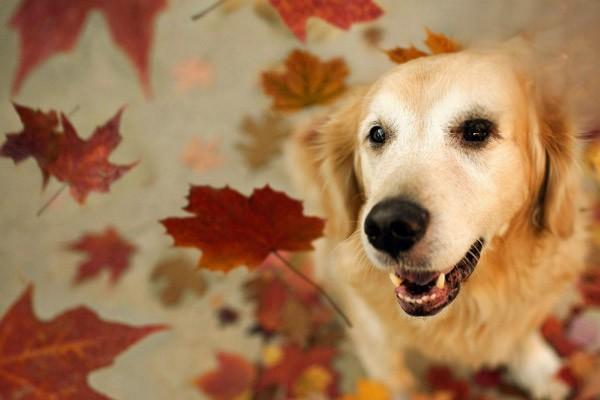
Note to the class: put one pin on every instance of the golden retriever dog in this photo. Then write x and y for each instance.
(452, 194)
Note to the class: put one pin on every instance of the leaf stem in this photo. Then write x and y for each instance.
(51, 200)
(208, 9)
(322, 291)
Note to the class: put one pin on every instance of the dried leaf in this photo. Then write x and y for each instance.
(439, 43)
(265, 138)
(179, 276)
(306, 81)
(50, 27)
(232, 229)
(341, 13)
(106, 250)
(400, 55)
(232, 380)
(42, 360)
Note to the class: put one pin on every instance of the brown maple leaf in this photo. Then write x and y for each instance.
(106, 250)
(306, 81)
(233, 378)
(41, 360)
(49, 27)
(341, 13)
(39, 139)
(232, 229)
(264, 139)
(373, 35)
(179, 276)
(296, 322)
(83, 164)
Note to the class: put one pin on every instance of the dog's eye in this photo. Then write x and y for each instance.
(476, 130)
(377, 135)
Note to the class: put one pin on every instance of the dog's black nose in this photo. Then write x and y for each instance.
(395, 225)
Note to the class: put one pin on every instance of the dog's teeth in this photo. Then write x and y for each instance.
(396, 281)
(441, 281)
(419, 301)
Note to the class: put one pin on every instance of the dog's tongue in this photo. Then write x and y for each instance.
(418, 277)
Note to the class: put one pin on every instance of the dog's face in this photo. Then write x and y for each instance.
(445, 152)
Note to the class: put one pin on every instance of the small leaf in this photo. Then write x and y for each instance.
(179, 276)
(439, 43)
(264, 139)
(231, 380)
(400, 55)
(367, 389)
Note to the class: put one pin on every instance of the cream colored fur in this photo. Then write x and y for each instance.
(535, 245)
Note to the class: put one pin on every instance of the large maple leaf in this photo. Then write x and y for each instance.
(232, 229)
(341, 13)
(306, 81)
(49, 27)
(83, 164)
(41, 360)
(106, 250)
(39, 139)
(231, 380)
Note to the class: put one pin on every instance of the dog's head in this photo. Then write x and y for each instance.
(437, 158)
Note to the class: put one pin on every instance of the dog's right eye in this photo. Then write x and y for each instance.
(377, 135)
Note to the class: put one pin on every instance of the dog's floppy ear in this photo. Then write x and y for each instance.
(555, 206)
(342, 190)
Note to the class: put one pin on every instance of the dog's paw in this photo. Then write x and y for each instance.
(553, 390)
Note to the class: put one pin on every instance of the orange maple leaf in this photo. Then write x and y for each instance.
(367, 389)
(306, 81)
(439, 43)
(400, 55)
(341, 13)
(231, 380)
(232, 229)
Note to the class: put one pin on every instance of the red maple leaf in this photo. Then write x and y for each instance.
(341, 13)
(42, 360)
(49, 27)
(83, 164)
(589, 286)
(39, 139)
(232, 229)
(107, 250)
(555, 333)
(233, 377)
(442, 379)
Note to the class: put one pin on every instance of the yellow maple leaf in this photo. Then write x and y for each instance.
(439, 43)
(400, 55)
(306, 81)
(367, 389)
(314, 380)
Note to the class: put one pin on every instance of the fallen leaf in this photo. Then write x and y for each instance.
(179, 276)
(312, 383)
(264, 139)
(42, 360)
(39, 139)
(292, 366)
(554, 331)
(202, 156)
(306, 81)
(106, 250)
(367, 389)
(296, 322)
(589, 286)
(439, 43)
(231, 380)
(442, 379)
(232, 229)
(49, 27)
(373, 35)
(83, 164)
(341, 13)
(193, 73)
(400, 55)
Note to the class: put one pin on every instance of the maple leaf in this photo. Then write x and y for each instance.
(179, 276)
(341, 13)
(373, 35)
(39, 139)
(83, 164)
(233, 378)
(232, 229)
(589, 286)
(288, 371)
(306, 81)
(439, 43)
(400, 55)
(201, 156)
(555, 333)
(106, 250)
(42, 360)
(265, 138)
(441, 379)
(49, 27)
(367, 389)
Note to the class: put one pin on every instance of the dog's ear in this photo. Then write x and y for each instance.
(555, 206)
(339, 170)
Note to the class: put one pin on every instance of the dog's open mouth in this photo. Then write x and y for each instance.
(425, 293)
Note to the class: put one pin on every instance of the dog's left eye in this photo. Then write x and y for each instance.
(476, 130)
(377, 135)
